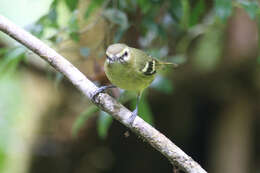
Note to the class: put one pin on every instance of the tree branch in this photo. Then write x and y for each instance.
(175, 155)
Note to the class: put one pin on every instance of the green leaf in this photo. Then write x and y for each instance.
(74, 36)
(251, 8)
(92, 6)
(197, 12)
(144, 109)
(50, 19)
(11, 60)
(117, 17)
(11, 106)
(36, 29)
(223, 8)
(82, 119)
(73, 22)
(71, 4)
(3, 157)
(55, 39)
(151, 31)
(162, 84)
(185, 20)
(104, 122)
(54, 3)
(176, 10)
(52, 15)
(74, 27)
(3, 51)
(207, 52)
(258, 59)
(145, 6)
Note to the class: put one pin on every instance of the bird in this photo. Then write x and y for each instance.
(130, 69)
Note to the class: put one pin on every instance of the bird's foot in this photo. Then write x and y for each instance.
(133, 116)
(100, 90)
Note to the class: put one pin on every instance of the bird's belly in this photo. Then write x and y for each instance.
(127, 78)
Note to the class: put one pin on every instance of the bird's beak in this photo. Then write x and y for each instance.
(111, 59)
(114, 58)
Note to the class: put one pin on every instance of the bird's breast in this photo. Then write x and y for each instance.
(127, 77)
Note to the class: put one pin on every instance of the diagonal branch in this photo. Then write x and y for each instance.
(175, 155)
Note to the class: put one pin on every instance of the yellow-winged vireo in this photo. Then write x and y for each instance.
(130, 69)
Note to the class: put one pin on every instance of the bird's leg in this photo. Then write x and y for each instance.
(100, 90)
(135, 112)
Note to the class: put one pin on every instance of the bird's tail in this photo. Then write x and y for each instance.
(163, 65)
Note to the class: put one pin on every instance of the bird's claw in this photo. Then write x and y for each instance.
(100, 90)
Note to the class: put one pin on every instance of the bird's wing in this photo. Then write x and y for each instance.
(145, 63)
(149, 68)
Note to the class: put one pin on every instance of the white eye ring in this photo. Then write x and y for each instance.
(126, 55)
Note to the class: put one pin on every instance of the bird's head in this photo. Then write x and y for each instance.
(118, 53)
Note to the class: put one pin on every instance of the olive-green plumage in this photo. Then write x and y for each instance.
(130, 68)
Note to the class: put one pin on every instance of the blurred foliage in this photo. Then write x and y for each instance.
(251, 8)
(207, 54)
(82, 118)
(10, 60)
(104, 122)
(10, 104)
(11, 98)
(223, 8)
(162, 20)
